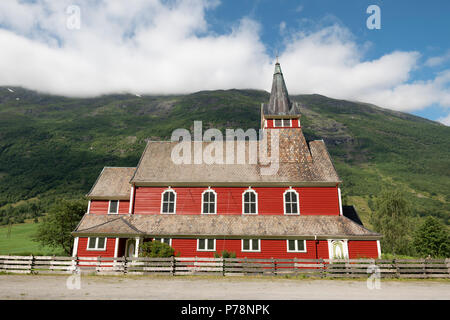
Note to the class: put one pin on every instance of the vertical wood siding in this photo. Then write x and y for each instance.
(313, 200)
(362, 249)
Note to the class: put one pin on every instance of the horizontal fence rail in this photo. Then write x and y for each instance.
(323, 268)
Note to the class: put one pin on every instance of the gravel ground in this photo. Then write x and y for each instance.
(180, 288)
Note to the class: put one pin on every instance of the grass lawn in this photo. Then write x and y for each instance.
(20, 243)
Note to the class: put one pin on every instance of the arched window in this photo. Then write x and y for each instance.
(168, 201)
(209, 202)
(291, 202)
(249, 202)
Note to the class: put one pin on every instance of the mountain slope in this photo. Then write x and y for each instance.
(54, 146)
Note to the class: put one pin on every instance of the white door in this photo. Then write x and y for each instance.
(130, 248)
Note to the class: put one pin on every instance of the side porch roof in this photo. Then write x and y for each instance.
(224, 226)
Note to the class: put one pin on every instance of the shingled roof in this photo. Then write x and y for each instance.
(229, 226)
(279, 102)
(112, 183)
(299, 164)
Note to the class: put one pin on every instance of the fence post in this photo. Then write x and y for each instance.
(32, 264)
(223, 265)
(397, 269)
(97, 265)
(173, 261)
(274, 266)
(322, 268)
(447, 262)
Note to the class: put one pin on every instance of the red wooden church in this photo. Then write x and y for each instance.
(201, 209)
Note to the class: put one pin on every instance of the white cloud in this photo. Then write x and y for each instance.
(145, 46)
(438, 60)
(445, 120)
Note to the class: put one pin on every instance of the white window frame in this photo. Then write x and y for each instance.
(251, 245)
(170, 240)
(109, 207)
(243, 201)
(283, 123)
(96, 248)
(296, 245)
(298, 202)
(206, 245)
(174, 203)
(215, 202)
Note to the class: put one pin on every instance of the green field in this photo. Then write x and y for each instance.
(20, 241)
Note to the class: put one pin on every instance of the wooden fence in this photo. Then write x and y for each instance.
(323, 268)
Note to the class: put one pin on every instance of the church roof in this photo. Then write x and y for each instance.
(112, 183)
(279, 102)
(238, 226)
(298, 164)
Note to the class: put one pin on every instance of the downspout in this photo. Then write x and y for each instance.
(315, 243)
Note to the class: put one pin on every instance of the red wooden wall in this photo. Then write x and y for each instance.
(362, 249)
(101, 206)
(269, 249)
(295, 124)
(83, 252)
(313, 200)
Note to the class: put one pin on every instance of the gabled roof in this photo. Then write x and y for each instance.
(227, 226)
(112, 183)
(279, 102)
(311, 166)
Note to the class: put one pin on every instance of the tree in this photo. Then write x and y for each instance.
(156, 249)
(391, 218)
(60, 221)
(432, 238)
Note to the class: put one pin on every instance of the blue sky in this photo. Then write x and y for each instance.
(324, 47)
(422, 26)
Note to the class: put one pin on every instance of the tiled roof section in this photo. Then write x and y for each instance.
(264, 226)
(297, 164)
(106, 224)
(322, 160)
(112, 183)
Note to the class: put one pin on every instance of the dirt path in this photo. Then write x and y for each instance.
(108, 287)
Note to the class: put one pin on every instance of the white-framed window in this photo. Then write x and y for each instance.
(296, 245)
(291, 202)
(279, 123)
(96, 243)
(206, 244)
(164, 240)
(251, 245)
(113, 207)
(209, 202)
(168, 201)
(249, 202)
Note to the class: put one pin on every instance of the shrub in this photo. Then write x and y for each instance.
(156, 249)
(225, 254)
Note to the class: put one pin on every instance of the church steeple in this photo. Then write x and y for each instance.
(279, 102)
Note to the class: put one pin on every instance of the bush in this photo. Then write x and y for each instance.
(432, 239)
(225, 254)
(156, 249)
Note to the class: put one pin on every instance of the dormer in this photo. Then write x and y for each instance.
(280, 112)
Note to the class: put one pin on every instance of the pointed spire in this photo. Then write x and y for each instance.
(279, 103)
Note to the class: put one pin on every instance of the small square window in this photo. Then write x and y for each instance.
(96, 243)
(251, 245)
(296, 246)
(206, 244)
(114, 206)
